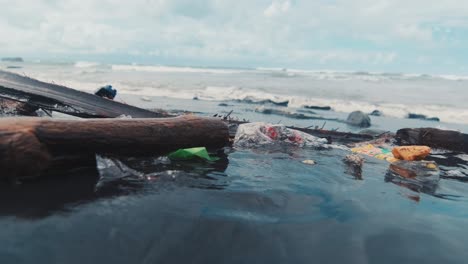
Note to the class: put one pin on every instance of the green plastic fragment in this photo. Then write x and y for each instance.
(191, 153)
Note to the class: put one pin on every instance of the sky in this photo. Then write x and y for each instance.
(417, 36)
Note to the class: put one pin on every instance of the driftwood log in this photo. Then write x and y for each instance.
(29, 146)
(65, 100)
(432, 137)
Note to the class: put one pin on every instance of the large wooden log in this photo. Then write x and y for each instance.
(29, 145)
(432, 137)
(66, 100)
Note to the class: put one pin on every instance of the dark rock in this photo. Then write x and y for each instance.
(416, 116)
(224, 104)
(314, 107)
(359, 119)
(270, 111)
(376, 113)
(306, 111)
(249, 100)
(423, 117)
(13, 59)
(436, 119)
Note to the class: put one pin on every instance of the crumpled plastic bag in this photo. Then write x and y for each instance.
(257, 134)
(191, 153)
(378, 152)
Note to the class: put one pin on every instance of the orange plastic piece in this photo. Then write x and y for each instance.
(411, 153)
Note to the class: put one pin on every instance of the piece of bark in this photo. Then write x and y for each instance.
(28, 144)
(432, 137)
(66, 100)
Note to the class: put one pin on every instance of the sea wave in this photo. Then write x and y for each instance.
(86, 64)
(341, 97)
(155, 68)
(232, 93)
(358, 75)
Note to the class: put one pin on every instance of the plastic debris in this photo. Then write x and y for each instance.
(309, 162)
(124, 117)
(411, 153)
(191, 153)
(381, 153)
(106, 92)
(417, 176)
(111, 168)
(354, 164)
(422, 170)
(255, 134)
(354, 159)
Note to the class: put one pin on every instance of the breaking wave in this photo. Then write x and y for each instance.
(86, 64)
(342, 91)
(153, 68)
(358, 75)
(232, 93)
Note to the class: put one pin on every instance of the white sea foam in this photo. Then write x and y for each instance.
(86, 64)
(152, 68)
(394, 94)
(366, 76)
(229, 93)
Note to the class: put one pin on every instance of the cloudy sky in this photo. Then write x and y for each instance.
(421, 36)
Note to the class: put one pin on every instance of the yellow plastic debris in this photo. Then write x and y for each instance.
(411, 153)
(309, 162)
(376, 152)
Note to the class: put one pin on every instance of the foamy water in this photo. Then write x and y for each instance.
(396, 95)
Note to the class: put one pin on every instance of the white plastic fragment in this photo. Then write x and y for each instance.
(257, 134)
(309, 162)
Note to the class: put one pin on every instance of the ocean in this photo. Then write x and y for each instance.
(253, 205)
(396, 95)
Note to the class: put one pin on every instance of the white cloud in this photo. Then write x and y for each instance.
(415, 32)
(277, 8)
(368, 32)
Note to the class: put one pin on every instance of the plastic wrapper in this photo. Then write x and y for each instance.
(192, 153)
(257, 134)
(378, 152)
(418, 176)
(422, 171)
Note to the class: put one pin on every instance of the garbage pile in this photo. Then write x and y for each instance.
(258, 134)
(406, 150)
(407, 165)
